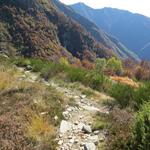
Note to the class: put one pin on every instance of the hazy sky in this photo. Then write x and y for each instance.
(136, 6)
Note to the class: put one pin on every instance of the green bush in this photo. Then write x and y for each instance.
(141, 95)
(21, 62)
(89, 78)
(127, 96)
(141, 129)
(115, 65)
(97, 81)
(123, 94)
(76, 74)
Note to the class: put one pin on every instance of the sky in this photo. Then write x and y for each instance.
(135, 6)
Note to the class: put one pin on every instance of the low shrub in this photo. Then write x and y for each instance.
(98, 81)
(123, 94)
(21, 62)
(12, 133)
(127, 96)
(141, 95)
(76, 74)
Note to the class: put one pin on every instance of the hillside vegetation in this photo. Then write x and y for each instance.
(37, 29)
(128, 100)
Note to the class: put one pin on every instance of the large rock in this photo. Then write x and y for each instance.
(65, 126)
(90, 108)
(87, 129)
(94, 139)
(101, 137)
(60, 142)
(80, 125)
(89, 146)
(82, 96)
(70, 109)
(96, 132)
(28, 67)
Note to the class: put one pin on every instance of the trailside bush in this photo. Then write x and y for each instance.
(123, 94)
(76, 74)
(127, 96)
(89, 78)
(98, 81)
(141, 129)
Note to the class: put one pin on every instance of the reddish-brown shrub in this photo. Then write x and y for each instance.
(87, 64)
(12, 133)
(120, 129)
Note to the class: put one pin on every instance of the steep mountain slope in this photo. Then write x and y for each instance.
(97, 33)
(145, 51)
(36, 28)
(133, 30)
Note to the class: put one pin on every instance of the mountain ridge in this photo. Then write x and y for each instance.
(132, 29)
(97, 33)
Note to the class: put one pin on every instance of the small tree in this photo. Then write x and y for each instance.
(115, 65)
(63, 61)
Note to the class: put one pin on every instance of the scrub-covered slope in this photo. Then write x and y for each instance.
(36, 28)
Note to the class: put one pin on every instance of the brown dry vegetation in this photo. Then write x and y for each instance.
(44, 33)
(140, 71)
(27, 112)
(125, 80)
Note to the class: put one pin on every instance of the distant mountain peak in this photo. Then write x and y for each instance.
(132, 29)
(81, 4)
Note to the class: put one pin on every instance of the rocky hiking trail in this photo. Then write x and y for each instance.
(75, 131)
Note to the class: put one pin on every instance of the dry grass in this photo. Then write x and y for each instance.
(40, 129)
(125, 80)
(8, 78)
